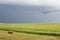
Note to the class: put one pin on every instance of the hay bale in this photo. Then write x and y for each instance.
(10, 32)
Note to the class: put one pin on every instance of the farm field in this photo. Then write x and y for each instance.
(23, 36)
(30, 31)
(33, 28)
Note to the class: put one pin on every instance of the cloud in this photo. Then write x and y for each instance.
(55, 3)
(34, 2)
(9, 13)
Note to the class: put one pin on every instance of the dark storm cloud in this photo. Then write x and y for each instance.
(20, 11)
(25, 13)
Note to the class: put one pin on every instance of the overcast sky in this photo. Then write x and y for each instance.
(38, 17)
(33, 2)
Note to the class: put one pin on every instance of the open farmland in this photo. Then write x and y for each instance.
(32, 28)
(32, 31)
(23, 36)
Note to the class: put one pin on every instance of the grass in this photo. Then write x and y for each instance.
(33, 28)
(23, 36)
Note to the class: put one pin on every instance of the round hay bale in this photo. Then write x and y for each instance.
(10, 32)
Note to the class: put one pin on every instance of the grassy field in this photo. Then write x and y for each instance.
(23, 36)
(33, 28)
(30, 31)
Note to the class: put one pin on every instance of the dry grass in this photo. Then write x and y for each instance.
(23, 36)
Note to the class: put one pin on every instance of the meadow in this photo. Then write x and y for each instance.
(33, 28)
(23, 36)
(30, 31)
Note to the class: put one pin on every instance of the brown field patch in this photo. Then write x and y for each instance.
(23, 36)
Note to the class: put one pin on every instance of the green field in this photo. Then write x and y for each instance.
(33, 28)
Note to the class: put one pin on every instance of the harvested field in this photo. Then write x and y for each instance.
(23, 36)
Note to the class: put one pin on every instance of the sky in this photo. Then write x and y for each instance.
(33, 2)
(30, 11)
